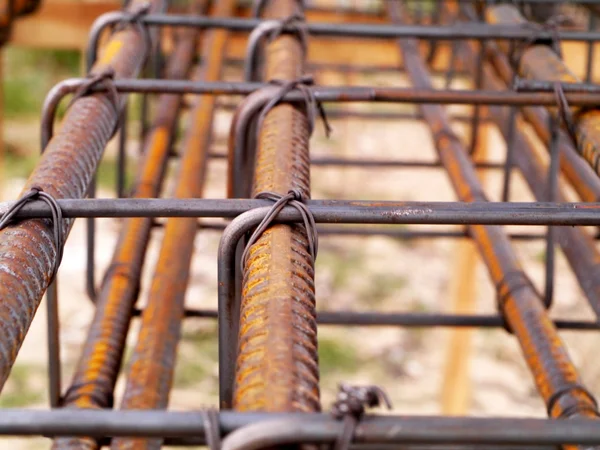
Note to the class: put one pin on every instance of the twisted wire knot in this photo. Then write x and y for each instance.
(294, 198)
(313, 106)
(37, 193)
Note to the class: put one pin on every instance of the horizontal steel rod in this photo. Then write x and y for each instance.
(333, 211)
(472, 30)
(408, 320)
(315, 427)
(337, 94)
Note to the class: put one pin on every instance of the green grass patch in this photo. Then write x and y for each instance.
(19, 391)
(336, 356)
(30, 74)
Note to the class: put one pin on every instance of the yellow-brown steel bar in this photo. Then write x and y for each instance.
(98, 367)
(577, 245)
(521, 306)
(150, 374)
(277, 364)
(28, 251)
(19, 8)
(540, 62)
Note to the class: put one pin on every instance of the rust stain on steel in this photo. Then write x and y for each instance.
(583, 179)
(546, 355)
(27, 250)
(577, 245)
(150, 374)
(539, 62)
(277, 365)
(98, 367)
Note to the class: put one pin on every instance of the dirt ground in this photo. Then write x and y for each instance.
(360, 274)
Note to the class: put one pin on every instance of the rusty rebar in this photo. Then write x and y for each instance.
(150, 374)
(554, 373)
(540, 62)
(577, 245)
(27, 250)
(277, 365)
(99, 364)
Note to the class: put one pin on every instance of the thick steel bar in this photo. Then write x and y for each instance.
(27, 250)
(585, 182)
(540, 62)
(577, 245)
(150, 375)
(98, 367)
(554, 373)
(334, 211)
(277, 363)
(376, 429)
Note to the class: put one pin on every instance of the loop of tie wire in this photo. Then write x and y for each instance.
(134, 19)
(294, 24)
(313, 106)
(350, 406)
(510, 283)
(106, 78)
(295, 199)
(575, 408)
(37, 193)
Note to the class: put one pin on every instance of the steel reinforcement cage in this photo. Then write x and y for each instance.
(269, 381)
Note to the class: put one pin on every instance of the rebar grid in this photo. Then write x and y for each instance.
(267, 319)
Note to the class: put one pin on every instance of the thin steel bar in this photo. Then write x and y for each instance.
(331, 211)
(27, 250)
(407, 320)
(551, 196)
(150, 375)
(97, 369)
(53, 337)
(391, 429)
(589, 69)
(555, 375)
(540, 62)
(364, 163)
(472, 30)
(577, 245)
(510, 149)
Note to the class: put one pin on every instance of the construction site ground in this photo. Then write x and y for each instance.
(358, 274)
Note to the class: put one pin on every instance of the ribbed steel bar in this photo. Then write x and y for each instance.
(150, 375)
(277, 366)
(554, 373)
(27, 250)
(540, 62)
(99, 364)
(583, 179)
(577, 245)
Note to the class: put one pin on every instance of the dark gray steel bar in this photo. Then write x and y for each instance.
(311, 427)
(332, 211)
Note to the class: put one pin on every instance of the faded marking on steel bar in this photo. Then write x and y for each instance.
(150, 375)
(540, 62)
(98, 367)
(27, 250)
(520, 304)
(277, 364)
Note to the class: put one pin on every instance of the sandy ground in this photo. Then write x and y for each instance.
(361, 274)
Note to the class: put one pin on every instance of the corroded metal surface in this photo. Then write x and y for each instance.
(554, 373)
(27, 250)
(540, 62)
(99, 365)
(150, 374)
(277, 366)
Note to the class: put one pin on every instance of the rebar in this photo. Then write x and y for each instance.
(266, 315)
